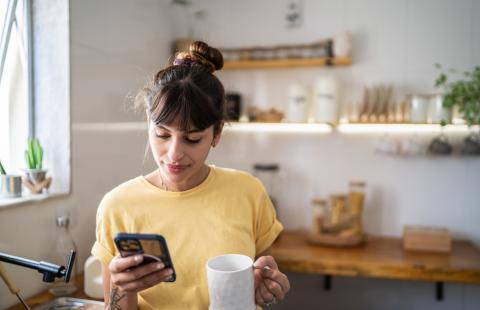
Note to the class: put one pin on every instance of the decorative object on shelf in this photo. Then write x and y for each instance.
(233, 106)
(440, 145)
(325, 96)
(271, 115)
(387, 145)
(427, 239)
(268, 174)
(411, 146)
(471, 144)
(342, 225)
(418, 108)
(377, 105)
(464, 95)
(339, 46)
(298, 104)
(36, 180)
(10, 185)
(438, 114)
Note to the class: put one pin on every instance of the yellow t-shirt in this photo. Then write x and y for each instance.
(229, 212)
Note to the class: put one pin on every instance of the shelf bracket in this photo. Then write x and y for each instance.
(439, 291)
(327, 282)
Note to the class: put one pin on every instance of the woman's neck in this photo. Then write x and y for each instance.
(159, 180)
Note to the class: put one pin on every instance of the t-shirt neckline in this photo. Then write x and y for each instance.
(199, 187)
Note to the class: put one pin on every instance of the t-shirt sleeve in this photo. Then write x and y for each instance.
(103, 249)
(267, 226)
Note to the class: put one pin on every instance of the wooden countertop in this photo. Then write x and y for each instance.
(380, 257)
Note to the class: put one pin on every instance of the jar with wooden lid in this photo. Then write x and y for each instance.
(337, 207)
(319, 208)
(356, 198)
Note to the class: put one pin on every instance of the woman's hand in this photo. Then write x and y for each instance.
(129, 277)
(270, 284)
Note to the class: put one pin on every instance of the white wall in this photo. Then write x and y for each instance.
(115, 44)
(392, 43)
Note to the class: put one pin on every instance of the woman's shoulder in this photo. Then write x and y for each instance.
(238, 177)
(122, 191)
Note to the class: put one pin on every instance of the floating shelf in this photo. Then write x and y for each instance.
(287, 63)
(344, 128)
(278, 127)
(401, 128)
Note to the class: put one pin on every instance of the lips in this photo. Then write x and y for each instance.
(175, 169)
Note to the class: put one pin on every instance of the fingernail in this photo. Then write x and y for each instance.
(160, 265)
(138, 258)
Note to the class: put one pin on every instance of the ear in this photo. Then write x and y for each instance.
(217, 134)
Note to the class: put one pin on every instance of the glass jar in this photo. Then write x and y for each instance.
(319, 207)
(59, 255)
(356, 199)
(268, 173)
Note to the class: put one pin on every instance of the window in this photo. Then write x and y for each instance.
(15, 82)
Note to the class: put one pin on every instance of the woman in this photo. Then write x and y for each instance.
(201, 210)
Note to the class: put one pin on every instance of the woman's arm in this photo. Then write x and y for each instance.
(115, 299)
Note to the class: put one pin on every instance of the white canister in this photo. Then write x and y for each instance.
(326, 100)
(438, 112)
(298, 105)
(419, 105)
(93, 284)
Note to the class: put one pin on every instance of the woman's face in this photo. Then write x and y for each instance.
(180, 155)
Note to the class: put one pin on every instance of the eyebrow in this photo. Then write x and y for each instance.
(187, 132)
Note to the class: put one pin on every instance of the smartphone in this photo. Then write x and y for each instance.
(152, 247)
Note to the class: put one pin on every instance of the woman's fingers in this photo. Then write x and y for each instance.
(120, 264)
(264, 261)
(278, 277)
(136, 273)
(147, 281)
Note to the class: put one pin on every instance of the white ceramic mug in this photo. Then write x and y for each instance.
(231, 282)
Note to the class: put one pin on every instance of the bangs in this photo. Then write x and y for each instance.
(185, 103)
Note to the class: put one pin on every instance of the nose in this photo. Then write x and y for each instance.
(175, 150)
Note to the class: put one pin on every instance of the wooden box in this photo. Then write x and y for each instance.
(428, 239)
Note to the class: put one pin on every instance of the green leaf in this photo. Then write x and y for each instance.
(2, 170)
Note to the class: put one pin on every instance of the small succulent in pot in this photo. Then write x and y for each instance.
(34, 160)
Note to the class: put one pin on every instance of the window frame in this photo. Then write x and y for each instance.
(10, 20)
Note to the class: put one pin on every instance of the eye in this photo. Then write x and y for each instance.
(193, 141)
(162, 135)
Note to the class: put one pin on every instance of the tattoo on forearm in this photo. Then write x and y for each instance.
(115, 297)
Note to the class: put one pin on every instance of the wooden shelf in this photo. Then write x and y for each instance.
(284, 127)
(379, 258)
(286, 63)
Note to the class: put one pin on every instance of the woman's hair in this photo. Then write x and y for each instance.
(187, 91)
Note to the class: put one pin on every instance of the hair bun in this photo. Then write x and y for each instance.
(201, 52)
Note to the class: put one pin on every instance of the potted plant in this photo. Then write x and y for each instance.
(463, 94)
(10, 185)
(34, 161)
